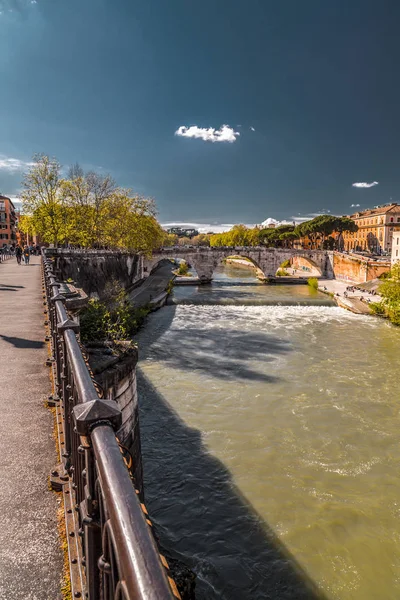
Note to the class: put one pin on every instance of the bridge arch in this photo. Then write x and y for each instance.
(247, 258)
(205, 260)
(305, 265)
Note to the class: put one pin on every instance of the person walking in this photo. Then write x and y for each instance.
(27, 255)
(18, 254)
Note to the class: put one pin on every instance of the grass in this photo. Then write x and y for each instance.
(313, 283)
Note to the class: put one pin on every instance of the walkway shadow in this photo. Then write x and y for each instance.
(6, 285)
(22, 342)
(7, 289)
(204, 521)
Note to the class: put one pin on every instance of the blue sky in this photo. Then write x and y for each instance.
(310, 92)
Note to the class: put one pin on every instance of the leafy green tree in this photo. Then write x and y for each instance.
(390, 294)
(41, 199)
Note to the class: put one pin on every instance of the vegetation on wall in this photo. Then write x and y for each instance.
(113, 318)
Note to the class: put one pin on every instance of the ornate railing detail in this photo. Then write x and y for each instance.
(120, 559)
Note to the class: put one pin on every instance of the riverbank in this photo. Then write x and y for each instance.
(356, 301)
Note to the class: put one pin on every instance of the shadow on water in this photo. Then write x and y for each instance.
(201, 517)
(204, 520)
(225, 354)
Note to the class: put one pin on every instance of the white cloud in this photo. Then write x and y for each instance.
(364, 184)
(252, 129)
(13, 165)
(223, 134)
(354, 205)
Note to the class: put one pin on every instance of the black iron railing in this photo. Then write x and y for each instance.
(120, 557)
(5, 254)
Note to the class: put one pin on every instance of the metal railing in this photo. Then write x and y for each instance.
(120, 557)
(5, 254)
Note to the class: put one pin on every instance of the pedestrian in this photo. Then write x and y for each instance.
(18, 254)
(26, 255)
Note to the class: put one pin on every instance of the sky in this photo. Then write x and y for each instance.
(224, 111)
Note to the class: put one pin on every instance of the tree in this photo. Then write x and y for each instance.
(88, 209)
(26, 225)
(390, 294)
(201, 240)
(184, 241)
(41, 198)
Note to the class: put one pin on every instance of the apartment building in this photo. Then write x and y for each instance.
(375, 229)
(8, 221)
(396, 247)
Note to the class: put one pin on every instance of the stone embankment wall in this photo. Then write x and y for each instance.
(116, 375)
(357, 269)
(91, 270)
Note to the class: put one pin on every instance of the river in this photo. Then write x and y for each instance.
(270, 438)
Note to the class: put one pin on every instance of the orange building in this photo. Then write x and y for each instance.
(8, 221)
(375, 229)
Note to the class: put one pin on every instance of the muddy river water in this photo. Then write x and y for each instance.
(270, 434)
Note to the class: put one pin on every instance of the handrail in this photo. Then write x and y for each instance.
(119, 552)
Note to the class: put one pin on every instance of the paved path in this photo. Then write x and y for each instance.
(30, 556)
(353, 300)
(153, 286)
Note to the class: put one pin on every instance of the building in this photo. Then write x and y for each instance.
(183, 231)
(396, 247)
(375, 229)
(8, 221)
(273, 223)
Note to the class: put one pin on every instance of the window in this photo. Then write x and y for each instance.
(397, 241)
(391, 219)
(398, 219)
(397, 252)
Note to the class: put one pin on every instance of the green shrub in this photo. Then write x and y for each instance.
(282, 273)
(377, 308)
(313, 283)
(183, 269)
(385, 275)
(113, 318)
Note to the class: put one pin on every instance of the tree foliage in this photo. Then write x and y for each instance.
(390, 294)
(87, 210)
(317, 230)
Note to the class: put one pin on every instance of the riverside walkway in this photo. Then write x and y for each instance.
(30, 555)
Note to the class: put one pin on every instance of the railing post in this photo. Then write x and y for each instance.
(65, 390)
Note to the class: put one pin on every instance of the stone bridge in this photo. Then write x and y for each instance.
(268, 260)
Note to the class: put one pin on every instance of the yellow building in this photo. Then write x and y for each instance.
(375, 229)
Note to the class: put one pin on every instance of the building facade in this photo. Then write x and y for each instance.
(375, 229)
(396, 246)
(8, 221)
